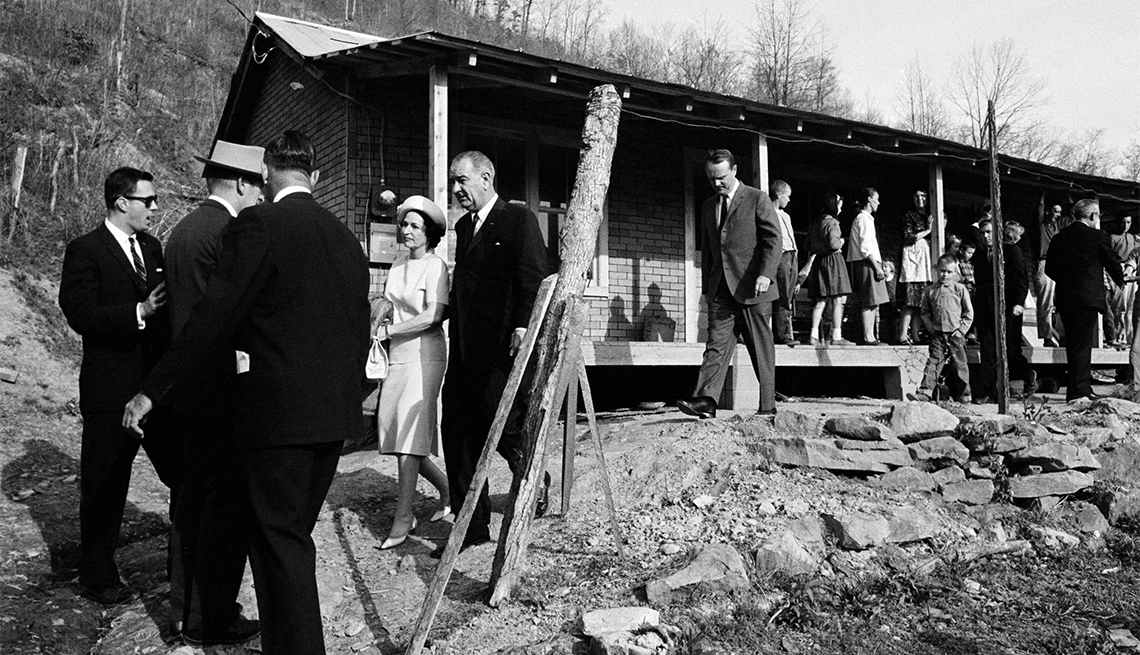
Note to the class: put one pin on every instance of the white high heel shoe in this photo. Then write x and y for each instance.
(392, 542)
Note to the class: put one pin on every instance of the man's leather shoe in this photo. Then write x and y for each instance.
(468, 542)
(116, 595)
(543, 502)
(766, 412)
(238, 632)
(699, 406)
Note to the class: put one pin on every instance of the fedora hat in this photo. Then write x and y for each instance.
(235, 157)
(424, 206)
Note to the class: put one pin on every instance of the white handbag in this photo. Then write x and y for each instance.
(377, 366)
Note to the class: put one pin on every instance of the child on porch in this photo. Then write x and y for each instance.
(947, 313)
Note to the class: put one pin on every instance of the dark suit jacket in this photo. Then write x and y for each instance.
(192, 253)
(291, 289)
(749, 245)
(1016, 278)
(493, 285)
(1078, 258)
(98, 293)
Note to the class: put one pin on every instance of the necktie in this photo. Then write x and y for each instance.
(723, 211)
(140, 268)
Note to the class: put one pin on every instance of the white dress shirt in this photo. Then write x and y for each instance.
(124, 241)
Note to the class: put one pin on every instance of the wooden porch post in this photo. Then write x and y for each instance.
(437, 146)
(760, 156)
(937, 214)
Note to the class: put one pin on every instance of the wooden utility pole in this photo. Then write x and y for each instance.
(579, 241)
(1002, 382)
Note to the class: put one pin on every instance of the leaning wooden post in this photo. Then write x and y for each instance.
(592, 417)
(1002, 382)
(579, 241)
(443, 570)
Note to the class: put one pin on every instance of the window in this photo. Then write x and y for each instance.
(540, 171)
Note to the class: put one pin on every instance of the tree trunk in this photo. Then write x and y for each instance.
(16, 184)
(1001, 384)
(560, 333)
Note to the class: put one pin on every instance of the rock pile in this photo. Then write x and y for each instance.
(923, 447)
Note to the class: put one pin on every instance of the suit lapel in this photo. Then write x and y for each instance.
(118, 255)
(488, 223)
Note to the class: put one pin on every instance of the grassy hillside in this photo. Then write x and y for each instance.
(86, 87)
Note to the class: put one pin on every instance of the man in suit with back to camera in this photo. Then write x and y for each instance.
(742, 245)
(290, 291)
(500, 261)
(1077, 260)
(112, 293)
(209, 521)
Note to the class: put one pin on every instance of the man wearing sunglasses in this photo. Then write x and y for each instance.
(112, 293)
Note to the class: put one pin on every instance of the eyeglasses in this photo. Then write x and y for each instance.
(147, 201)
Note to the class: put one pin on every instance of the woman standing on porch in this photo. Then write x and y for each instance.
(827, 281)
(914, 269)
(408, 417)
(867, 274)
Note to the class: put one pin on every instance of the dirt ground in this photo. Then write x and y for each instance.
(870, 602)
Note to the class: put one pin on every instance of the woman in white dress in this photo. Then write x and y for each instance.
(408, 416)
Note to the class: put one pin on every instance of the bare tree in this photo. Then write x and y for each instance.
(629, 50)
(919, 104)
(1086, 153)
(1129, 164)
(995, 73)
(792, 63)
(701, 58)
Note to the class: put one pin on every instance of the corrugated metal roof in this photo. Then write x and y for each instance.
(313, 40)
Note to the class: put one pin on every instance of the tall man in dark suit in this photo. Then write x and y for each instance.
(291, 290)
(1016, 289)
(1078, 258)
(741, 244)
(209, 522)
(500, 261)
(112, 293)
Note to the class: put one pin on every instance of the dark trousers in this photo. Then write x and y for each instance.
(210, 525)
(727, 317)
(1080, 333)
(784, 307)
(470, 400)
(106, 456)
(286, 487)
(947, 346)
(1018, 365)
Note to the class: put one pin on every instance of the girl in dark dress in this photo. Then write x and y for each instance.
(827, 281)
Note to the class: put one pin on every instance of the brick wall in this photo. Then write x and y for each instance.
(293, 99)
(646, 237)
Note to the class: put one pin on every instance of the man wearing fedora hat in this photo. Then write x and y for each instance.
(291, 290)
(209, 522)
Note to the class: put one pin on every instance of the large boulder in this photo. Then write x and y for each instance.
(908, 477)
(969, 492)
(1119, 406)
(1121, 465)
(909, 524)
(1054, 456)
(858, 531)
(917, 421)
(615, 619)
(987, 425)
(717, 567)
(890, 443)
(797, 424)
(1061, 483)
(855, 426)
(938, 453)
(784, 553)
(822, 453)
(948, 475)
